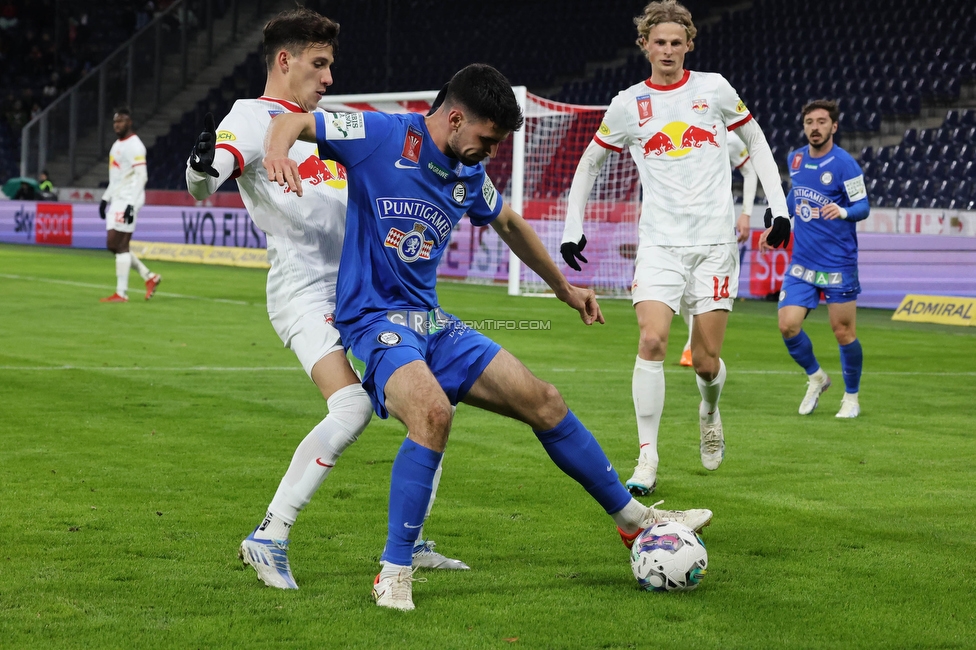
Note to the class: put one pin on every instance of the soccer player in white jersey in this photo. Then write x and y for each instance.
(126, 193)
(675, 126)
(739, 158)
(304, 245)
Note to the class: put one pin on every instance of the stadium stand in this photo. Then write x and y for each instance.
(45, 48)
(887, 62)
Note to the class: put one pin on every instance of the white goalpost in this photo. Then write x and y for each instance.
(533, 171)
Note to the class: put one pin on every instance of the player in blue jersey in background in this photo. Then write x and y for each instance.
(411, 179)
(827, 200)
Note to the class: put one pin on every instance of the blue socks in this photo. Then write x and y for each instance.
(851, 362)
(577, 453)
(410, 487)
(801, 349)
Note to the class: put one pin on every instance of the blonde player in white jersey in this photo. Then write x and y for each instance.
(675, 126)
(121, 201)
(739, 159)
(304, 245)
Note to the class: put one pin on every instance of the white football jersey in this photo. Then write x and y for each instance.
(304, 233)
(125, 186)
(677, 135)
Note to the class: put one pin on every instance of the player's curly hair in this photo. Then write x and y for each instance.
(665, 11)
(487, 94)
(296, 30)
(828, 105)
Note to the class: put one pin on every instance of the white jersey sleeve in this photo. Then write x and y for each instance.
(615, 132)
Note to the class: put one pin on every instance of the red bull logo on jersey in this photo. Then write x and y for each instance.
(679, 139)
(315, 171)
(700, 106)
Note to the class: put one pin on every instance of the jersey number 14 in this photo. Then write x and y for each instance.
(722, 292)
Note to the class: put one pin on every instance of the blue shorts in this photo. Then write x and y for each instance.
(803, 287)
(455, 353)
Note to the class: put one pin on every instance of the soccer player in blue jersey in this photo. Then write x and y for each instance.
(411, 179)
(827, 200)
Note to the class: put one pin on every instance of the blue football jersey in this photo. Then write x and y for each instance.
(826, 245)
(405, 197)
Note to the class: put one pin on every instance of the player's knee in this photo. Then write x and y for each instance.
(788, 328)
(706, 367)
(439, 416)
(550, 407)
(652, 346)
(352, 407)
(844, 334)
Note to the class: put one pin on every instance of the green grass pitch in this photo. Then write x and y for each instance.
(140, 442)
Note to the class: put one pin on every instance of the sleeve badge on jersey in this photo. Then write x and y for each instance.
(741, 107)
(604, 129)
(345, 126)
(855, 189)
(225, 136)
(411, 144)
(488, 191)
(644, 109)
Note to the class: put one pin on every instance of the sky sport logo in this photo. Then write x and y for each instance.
(679, 139)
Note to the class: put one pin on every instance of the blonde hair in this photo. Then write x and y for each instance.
(665, 11)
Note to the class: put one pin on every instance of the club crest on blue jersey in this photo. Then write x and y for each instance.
(806, 212)
(826, 178)
(389, 338)
(410, 246)
(459, 193)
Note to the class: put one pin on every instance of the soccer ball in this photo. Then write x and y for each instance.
(668, 557)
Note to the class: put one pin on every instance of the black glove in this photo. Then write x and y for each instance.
(572, 251)
(101, 209)
(202, 154)
(780, 233)
(127, 215)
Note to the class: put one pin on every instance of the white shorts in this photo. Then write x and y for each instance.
(308, 332)
(703, 278)
(114, 217)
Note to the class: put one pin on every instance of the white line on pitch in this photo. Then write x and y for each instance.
(295, 369)
(893, 373)
(154, 369)
(107, 288)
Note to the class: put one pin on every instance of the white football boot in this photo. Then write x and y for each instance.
(695, 519)
(426, 557)
(817, 383)
(712, 444)
(644, 479)
(849, 407)
(269, 558)
(396, 592)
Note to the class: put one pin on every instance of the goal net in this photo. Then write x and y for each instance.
(533, 171)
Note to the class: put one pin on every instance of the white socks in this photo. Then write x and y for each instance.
(628, 519)
(140, 268)
(122, 263)
(349, 412)
(711, 391)
(648, 392)
(689, 319)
